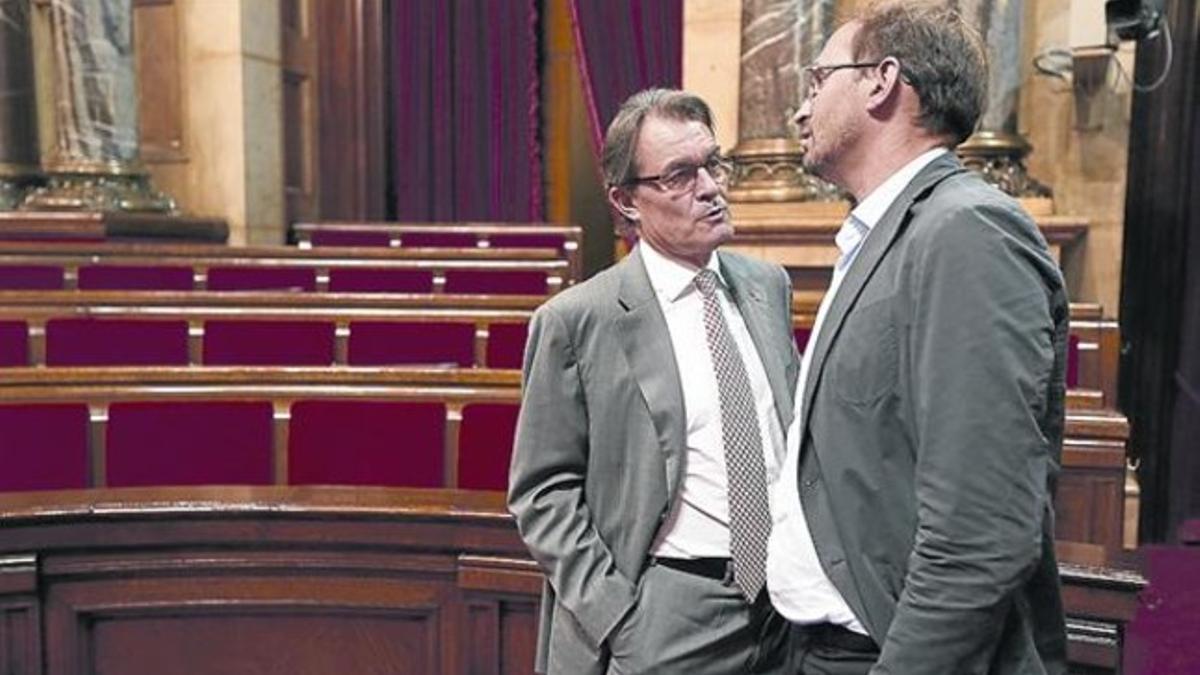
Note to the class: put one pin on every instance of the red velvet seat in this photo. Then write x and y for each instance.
(438, 240)
(31, 277)
(801, 334)
(554, 241)
(116, 342)
(380, 280)
(135, 277)
(189, 443)
(350, 238)
(506, 344)
(374, 343)
(261, 342)
(43, 446)
(504, 282)
(261, 278)
(485, 443)
(387, 443)
(14, 343)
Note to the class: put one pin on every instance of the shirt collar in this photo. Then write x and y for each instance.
(871, 209)
(672, 279)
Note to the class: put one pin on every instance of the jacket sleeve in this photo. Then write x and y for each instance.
(982, 354)
(547, 483)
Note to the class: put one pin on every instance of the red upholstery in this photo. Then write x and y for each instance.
(133, 277)
(352, 238)
(485, 443)
(113, 342)
(268, 343)
(261, 278)
(366, 443)
(31, 277)
(1072, 361)
(380, 280)
(43, 446)
(554, 241)
(506, 344)
(189, 443)
(375, 343)
(438, 239)
(509, 282)
(802, 334)
(14, 343)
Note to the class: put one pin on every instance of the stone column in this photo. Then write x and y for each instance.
(95, 164)
(779, 37)
(18, 107)
(997, 149)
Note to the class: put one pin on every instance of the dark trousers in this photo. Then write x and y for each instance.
(830, 650)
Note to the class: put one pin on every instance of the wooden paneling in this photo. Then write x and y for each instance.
(160, 86)
(300, 109)
(352, 94)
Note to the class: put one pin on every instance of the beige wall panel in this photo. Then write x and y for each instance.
(712, 43)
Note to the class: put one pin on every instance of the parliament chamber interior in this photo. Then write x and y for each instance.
(267, 269)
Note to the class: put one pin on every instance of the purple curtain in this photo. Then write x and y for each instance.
(465, 102)
(625, 46)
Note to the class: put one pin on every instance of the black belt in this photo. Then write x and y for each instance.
(711, 568)
(833, 635)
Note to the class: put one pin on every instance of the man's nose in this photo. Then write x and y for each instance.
(800, 119)
(706, 185)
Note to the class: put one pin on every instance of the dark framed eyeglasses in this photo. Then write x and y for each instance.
(683, 178)
(816, 73)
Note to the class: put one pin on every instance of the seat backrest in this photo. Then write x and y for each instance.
(506, 344)
(135, 277)
(263, 342)
(380, 280)
(116, 342)
(261, 278)
(485, 443)
(507, 282)
(43, 446)
(31, 277)
(375, 343)
(14, 343)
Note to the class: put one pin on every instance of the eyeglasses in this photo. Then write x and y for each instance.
(683, 178)
(816, 74)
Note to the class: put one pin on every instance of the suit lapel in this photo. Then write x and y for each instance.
(647, 345)
(751, 301)
(876, 246)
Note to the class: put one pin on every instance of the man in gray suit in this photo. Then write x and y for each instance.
(913, 529)
(654, 403)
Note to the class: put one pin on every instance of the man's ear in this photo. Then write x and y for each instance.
(622, 201)
(885, 83)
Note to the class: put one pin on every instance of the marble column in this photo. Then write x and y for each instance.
(997, 149)
(18, 106)
(95, 164)
(779, 37)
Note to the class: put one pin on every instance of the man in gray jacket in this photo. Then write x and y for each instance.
(654, 403)
(914, 529)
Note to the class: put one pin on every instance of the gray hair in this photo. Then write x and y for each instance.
(620, 143)
(941, 57)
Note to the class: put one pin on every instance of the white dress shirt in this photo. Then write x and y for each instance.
(698, 524)
(799, 587)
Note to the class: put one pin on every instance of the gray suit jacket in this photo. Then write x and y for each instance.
(932, 433)
(601, 436)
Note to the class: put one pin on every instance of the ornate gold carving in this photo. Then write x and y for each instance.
(998, 156)
(97, 186)
(772, 170)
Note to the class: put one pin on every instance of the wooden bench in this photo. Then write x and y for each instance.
(565, 239)
(93, 427)
(343, 580)
(194, 267)
(81, 328)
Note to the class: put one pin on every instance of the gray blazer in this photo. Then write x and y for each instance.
(601, 435)
(932, 433)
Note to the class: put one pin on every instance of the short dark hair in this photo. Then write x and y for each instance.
(619, 159)
(941, 56)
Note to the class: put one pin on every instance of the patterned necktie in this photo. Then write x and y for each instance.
(749, 510)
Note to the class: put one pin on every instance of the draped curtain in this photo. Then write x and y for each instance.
(465, 106)
(625, 46)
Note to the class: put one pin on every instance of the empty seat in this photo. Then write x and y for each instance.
(31, 277)
(485, 443)
(116, 342)
(802, 335)
(380, 280)
(350, 238)
(555, 241)
(261, 342)
(385, 443)
(14, 343)
(261, 278)
(505, 282)
(506, 344)
(438, 239)
(189, 443)
(135, 277)
(374, 343)
(43, 446)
